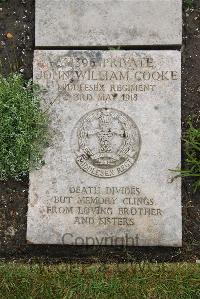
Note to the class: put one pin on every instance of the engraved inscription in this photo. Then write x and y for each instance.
(104, 206)
(107, 142)
(92, 78)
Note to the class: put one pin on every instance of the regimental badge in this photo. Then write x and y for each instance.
(106, 142)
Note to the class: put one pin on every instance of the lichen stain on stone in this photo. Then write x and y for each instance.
(34, 199)
(29, 242)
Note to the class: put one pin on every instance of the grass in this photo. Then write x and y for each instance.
(188, 3)
(192, 155)
(99, 281)
(23, 127)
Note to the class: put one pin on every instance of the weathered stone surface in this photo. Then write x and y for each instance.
(116, 125)
(108, 22)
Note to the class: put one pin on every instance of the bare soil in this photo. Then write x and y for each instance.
(16, 53)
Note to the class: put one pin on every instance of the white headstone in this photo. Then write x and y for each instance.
(116, 126)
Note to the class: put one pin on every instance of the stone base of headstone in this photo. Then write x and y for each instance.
(85, 23)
